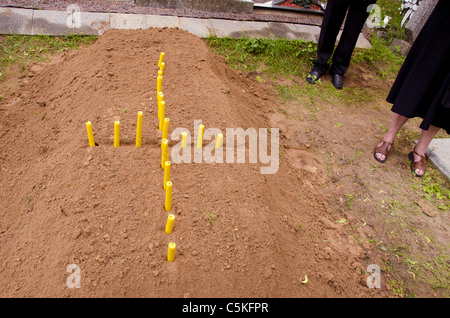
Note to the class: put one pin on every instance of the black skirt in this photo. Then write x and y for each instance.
(422, 86)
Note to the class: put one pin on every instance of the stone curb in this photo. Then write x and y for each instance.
(46, 22)
(438, 153)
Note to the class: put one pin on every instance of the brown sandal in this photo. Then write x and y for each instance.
(417, 165)
(382, 149)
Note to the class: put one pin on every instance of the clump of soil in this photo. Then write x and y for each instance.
(239, 233)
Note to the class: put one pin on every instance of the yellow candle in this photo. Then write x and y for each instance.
(161, 58)
(169, 224)
(160, 73)
(164, 152)
(219, 140)
(166, 173)
(161, 68)
(183, 139)
(90, 134)
(161, 114)
(165, 128)
(201, 130)
(168, 202)
(158, 84)
(171, 251)
(160, 99)
(116, 134)
(139, 130)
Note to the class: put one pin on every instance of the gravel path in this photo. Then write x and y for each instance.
(130, 7)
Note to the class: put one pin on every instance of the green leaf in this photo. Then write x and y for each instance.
(342, 221)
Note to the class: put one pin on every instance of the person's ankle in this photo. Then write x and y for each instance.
(419, 151)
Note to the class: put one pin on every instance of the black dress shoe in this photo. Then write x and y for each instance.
(337, 80)
(314, 76)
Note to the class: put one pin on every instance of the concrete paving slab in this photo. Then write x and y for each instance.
(255, 29)
(128, 21)
(51, 23)
(238, 29)
(28, 21)
(308, 32)
(199, 27)
(64, 23)
(15, 21)
(438, 153)
(285, 30)
(227, 28)
(95, 23)
(161, 21)
(363, 43)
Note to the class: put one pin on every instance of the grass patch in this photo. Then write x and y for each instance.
(289, 58)
(211, 216)
(23, 49)
(391, 8)
(319, 92)
(276, 57)
(293, 57)
(379, 58)
(434, 185)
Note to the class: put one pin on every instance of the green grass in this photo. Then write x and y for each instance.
(23, 49)
(311, 95)
(391, 8)
(277, 57)
(434, 185)
(283, 57)
(293, 57)
(379, 58)
(211, 216)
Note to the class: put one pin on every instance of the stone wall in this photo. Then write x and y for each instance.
(230, 6)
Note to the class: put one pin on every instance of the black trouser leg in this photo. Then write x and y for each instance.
(333, 17)
(356, 17)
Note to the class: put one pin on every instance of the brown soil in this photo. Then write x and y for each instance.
(238, 233)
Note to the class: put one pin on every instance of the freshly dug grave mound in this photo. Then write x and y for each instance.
(239, 233)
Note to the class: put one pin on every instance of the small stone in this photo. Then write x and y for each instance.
(327, 251)
(76, 234)
(400, 46)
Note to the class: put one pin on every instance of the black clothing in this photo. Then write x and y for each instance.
(332, 21)
(422, 86)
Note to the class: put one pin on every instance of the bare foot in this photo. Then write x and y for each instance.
(418, 172)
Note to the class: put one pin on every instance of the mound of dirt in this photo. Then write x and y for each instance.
(239, 233)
